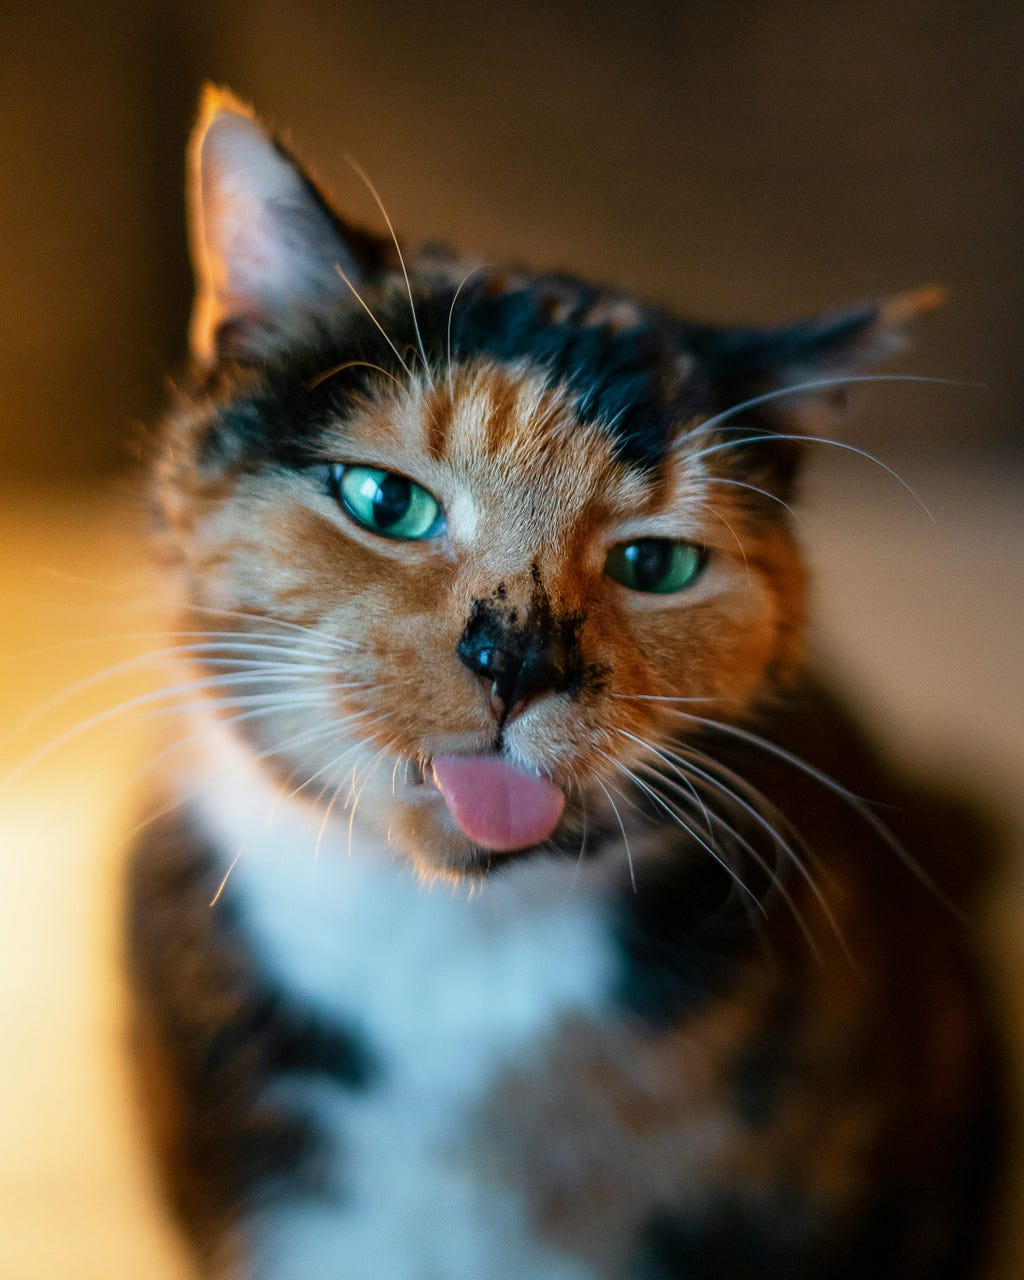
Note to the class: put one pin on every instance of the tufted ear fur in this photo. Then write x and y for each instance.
(779, 386)
(266, 247)
(774, 363)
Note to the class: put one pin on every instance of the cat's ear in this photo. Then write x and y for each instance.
(803, 372)
(268, 251)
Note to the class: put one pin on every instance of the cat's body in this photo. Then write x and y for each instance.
(541, 944)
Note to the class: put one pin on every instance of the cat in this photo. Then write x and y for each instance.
(522, 905)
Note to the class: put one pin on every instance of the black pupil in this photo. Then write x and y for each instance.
(651, 559)
(391, 501)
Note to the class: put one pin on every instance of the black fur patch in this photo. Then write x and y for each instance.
(683, 938)
(764, 1068)
(217, 1033)
(624, 381)
(642, 384)
(730, 1242)
(790, 1234)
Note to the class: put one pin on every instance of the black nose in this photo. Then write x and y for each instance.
(517, 663)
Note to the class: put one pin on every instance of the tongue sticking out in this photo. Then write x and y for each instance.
(495, 804)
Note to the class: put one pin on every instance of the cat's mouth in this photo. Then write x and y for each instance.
(494, 804)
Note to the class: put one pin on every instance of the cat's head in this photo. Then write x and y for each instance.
(470, 546)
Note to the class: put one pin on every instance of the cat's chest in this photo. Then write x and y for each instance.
(444, 987)
(450, 995)
(443, 981)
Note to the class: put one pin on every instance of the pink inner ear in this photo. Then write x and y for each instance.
(263, 248)
(495, 804)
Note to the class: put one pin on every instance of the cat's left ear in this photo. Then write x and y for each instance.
(801, 373)
(267, 249)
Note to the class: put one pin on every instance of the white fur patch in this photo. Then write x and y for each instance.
(463, 518)
(449, 989)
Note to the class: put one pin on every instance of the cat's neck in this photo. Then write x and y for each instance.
(336, 911)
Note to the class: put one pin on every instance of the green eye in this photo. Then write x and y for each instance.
(386, 503)
(658, 565)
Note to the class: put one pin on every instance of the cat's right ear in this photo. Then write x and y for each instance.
(268, 252)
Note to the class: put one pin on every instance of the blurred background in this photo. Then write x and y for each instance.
(732, 160)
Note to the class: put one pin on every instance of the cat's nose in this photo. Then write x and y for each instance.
(516, 664)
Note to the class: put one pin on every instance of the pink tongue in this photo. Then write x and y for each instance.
(496, 805)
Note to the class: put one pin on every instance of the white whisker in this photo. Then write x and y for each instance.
(334, 642)
(773, 497)
(674, 814)
(759, 860)
(824, 384)
(349, 364)
(780, 841)
(365, 306)
(354, 164)
(451, 311)
(804, 439)
(622, 828)
(646, 746)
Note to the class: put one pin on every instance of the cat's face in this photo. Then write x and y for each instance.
(487, 549)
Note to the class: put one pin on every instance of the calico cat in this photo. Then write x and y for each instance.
(522, 905)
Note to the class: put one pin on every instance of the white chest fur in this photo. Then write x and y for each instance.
(449, 990)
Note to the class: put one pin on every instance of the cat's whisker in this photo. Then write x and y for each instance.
(335, 369)
(144, 700)
(826, 384)
(244, 848)
(857, 803)
(366, 307)
(773, 748)
(254, 667)
(622, 828)
(784, 846)
(283, 793)
(657, 697)
(584, 823)
(451, 311)
(765, 493)
(325, 820)
(335, 793)
(666, 759)
(333, 642)
(735, 536)
(364, 176)
(755, 437)
(775, 881)
(305, 737)
(370, 770)
(161, 657)
(125, 637)
(675, 815)
(372, 762)
(227, 876)
(184, 797)
(757, 805)
(375, 720)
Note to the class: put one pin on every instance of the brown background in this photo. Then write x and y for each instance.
(735, 160)
(731, 159)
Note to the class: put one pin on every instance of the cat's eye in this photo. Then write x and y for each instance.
(386, 503)
(658, 565)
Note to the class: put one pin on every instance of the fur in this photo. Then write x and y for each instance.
(712, 1025)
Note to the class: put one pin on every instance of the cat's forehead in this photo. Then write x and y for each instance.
(507, 443)
(625, 368)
